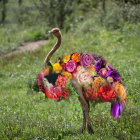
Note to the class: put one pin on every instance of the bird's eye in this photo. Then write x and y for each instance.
(55, 31)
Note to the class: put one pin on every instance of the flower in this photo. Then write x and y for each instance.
(110, 79)
(95, 57)
(86, 59)
(91, 67)
(76, 57)
(103, 72)
(120, 91)
(66, 58)
(71, 66)
(83, 76)
(58, 91)
(97, 83)
(65, 93)
(113, 73)
(90, 94)
(67, 74)
(116, 109)
(99, 64)
(63, 65)
(106, 93)
(45, 71)
(49, 92)
(40, 83)
(61, 81)
(57, 67)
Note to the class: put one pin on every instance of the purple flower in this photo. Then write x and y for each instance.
(86, 59)
(98, 65)
(113, 73)
(95, 57)
(116, 109)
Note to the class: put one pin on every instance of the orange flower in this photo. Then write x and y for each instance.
(66, 58)
(91, 67)
(67, 74)
(120, 91)
(76, 57)
(45, 71)
(97, 83)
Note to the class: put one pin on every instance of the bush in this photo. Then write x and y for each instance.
(116, 15)
(56, 11)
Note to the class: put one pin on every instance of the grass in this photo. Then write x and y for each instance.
(27, 114)
(12, 36)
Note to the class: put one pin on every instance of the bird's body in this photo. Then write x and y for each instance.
(92, 77)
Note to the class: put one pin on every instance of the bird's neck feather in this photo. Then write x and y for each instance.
(56, 46)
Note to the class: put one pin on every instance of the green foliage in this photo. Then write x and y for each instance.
(116, 15)
(56, 11)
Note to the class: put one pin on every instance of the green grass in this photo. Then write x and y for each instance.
(12, 36)
(27, 114)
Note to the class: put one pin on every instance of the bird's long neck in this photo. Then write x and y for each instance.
(56, 46)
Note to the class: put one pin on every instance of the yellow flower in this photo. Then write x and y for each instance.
(67, 74)
(57, 67)
(66, 58)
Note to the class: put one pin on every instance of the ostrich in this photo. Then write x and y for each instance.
(91, 76)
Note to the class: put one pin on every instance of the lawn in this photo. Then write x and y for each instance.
(27, 114)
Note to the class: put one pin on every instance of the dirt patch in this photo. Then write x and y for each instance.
(30, 46)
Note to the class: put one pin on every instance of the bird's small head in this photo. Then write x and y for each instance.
(56, 32)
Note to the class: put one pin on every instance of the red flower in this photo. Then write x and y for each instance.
(106, 93)
(91, 94)
(61, 81)
(65, 93)
(49, 92)
(63, 65)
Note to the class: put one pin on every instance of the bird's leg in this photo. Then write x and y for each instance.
(85, 106)
(84, 118)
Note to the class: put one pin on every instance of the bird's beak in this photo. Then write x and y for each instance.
(49, 32)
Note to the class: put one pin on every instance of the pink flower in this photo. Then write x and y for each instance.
(83, 76)
(86, 59)
(71, 66)
(103, 72)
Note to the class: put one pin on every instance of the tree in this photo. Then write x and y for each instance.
(55, 11)
(3, 10)
(19, 2)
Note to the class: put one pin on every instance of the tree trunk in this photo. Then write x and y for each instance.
(19, 2)
(3, 11)
(104, 6)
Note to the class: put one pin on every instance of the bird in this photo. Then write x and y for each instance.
(91, 76)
